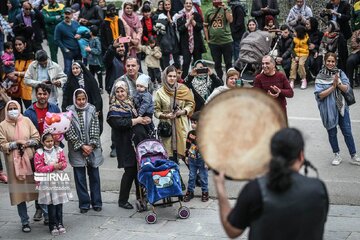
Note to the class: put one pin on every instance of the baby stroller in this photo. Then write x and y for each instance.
(160, 179)
(252, 49)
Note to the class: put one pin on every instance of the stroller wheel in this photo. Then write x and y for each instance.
(184, 212)
(150, 218)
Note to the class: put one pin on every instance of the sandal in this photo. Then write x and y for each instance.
(26, 228)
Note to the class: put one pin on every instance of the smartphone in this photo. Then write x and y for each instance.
(123, 39)
(202, 70)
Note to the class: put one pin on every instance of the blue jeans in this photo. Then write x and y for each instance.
(81, 187)
(196, 165)
(68, 59)
(22, 211)
(345, 127)
(236, 49)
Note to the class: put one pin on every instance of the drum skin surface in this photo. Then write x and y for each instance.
(235, 129)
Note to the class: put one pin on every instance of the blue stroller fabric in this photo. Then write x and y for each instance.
(161, 179)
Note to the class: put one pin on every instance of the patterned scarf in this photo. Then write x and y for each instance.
(133, 22)
(326, 76)
(121, 108)
(190, 31)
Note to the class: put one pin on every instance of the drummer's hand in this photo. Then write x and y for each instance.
(219, 180)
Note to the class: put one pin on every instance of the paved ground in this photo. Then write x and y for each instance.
(115, 223)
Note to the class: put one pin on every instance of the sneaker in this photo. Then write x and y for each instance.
(337, 160)
(205, 197)
(38, 215)
(61, 229)
(355, 160)
(3, 177)
(113, 153)
(303, 84)
(54, 232)
(292, 84)
(188, 196)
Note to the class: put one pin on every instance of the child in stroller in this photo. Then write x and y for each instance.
(160, 177)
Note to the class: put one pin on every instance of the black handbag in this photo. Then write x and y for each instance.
(349, 96)
(164, 129)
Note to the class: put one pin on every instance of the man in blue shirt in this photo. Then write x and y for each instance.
(65, 33)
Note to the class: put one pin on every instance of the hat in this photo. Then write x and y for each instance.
(68, 10)
(75, 7)
(143, 80)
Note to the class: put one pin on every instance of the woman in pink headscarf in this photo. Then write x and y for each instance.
(18, 137)
(135, 28)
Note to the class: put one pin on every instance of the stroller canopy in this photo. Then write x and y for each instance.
(255, 46)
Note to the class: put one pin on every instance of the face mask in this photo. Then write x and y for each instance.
(13, 114)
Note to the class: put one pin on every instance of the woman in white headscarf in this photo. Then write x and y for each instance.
(299, 14)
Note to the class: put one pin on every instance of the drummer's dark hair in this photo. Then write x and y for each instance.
(286, 146)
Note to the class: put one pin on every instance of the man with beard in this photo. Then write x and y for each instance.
(43, 70)
(274, 82)
(114, 59)
(36, 113)
(64, 36)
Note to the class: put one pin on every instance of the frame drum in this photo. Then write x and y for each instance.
(235, 129)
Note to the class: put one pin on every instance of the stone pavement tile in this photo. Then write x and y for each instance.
(330, 235)
(342, 224)
(12, 230)
(344, 211)
(354, 236)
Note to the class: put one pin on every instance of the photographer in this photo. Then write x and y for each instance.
(339, 10)
(202, 81)
(354, 58)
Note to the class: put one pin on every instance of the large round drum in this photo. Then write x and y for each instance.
(235, 129)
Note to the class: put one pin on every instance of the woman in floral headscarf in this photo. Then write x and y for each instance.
(128, 127)
(174, 111)
(18, 131)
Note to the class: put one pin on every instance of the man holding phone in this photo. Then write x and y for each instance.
(45, 71)
(218, 34)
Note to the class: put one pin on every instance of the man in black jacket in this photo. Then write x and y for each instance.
(29, 24)
(237, 26)
(284, 48)
(90, 14)
(339, 11)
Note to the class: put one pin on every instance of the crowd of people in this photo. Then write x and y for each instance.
(171, 37)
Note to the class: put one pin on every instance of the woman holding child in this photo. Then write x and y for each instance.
(128, 128)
